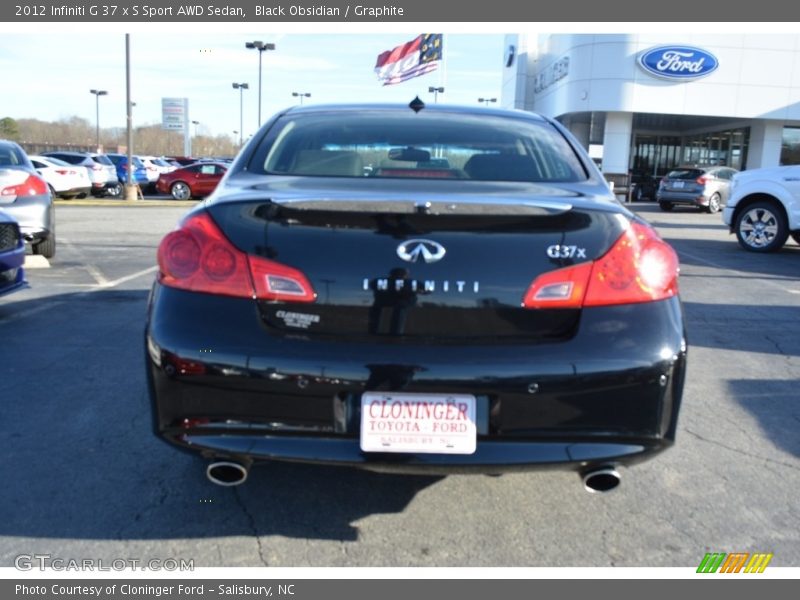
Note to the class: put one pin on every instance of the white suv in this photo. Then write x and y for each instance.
(764, 208)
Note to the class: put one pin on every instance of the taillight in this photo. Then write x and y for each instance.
(97, 168)
(23, 183)
(66, 172)
(198, 257)
(639, 267)
(701, 180)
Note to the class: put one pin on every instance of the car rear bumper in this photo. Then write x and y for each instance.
(34, 215)
(223, 385)
(490, 456)
(693, 199)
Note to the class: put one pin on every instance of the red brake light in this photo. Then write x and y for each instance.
(702, 179)
(198, 257)
(639, 267)
(25, 184)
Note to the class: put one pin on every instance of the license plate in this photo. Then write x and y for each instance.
(677, 185)
(420, 423)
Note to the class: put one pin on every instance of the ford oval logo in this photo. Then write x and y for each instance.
(678, 62)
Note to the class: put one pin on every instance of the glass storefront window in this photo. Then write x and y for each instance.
(790, 148)
(658, 154)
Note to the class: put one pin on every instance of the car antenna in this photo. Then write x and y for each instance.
(416, 105)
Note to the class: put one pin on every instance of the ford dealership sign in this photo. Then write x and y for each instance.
(680, 63)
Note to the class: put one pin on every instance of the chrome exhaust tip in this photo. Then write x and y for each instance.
(601, 480)
(227, 473)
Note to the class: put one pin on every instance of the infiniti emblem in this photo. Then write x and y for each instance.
(430, 251)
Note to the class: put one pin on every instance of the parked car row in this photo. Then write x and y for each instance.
(100, 169)
(106, 172)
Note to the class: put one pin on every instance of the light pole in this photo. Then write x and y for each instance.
(301, 95)
(486, 101)
(241, 87)
(261, 47)
(194, 139)
(435, 91)
(97, 94)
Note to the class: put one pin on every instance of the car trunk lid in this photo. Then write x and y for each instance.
(411, 270)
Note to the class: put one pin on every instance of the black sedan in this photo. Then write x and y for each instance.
(415, 289)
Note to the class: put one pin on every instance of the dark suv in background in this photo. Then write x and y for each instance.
(102, 172)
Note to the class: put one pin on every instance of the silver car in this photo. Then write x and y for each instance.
(26, 197)
(707, 188)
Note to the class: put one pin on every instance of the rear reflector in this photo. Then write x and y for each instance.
(199, 258)
(639, 267)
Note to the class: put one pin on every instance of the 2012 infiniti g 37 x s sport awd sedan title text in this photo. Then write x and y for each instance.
(430, 289)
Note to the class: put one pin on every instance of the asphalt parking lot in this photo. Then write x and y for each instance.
(84, 477)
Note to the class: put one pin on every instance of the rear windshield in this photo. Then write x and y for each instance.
(102, 159)
(420, 146)
(58, 162)
(685, 174)
(12, 156)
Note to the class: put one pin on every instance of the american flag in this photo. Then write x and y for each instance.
(412, 59)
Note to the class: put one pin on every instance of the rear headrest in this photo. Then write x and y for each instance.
(502, 167)
(328, 162)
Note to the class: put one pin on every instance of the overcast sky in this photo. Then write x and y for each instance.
(52, 75)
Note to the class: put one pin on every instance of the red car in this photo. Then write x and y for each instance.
(194, 181)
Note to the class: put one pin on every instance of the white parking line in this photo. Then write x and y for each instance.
(91, 269)
(121, 280)
(45, 305)
(36, 261)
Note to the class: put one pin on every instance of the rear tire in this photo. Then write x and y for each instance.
(115, 191)
(714, 204)
(181, 191)
(761, 227)
(665, 206)
(46, 247)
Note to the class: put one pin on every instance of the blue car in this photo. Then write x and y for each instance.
(12, 255)
(139, 171)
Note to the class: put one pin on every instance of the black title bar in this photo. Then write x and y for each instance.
(337, 11)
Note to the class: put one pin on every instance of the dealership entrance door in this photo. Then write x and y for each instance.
(663, 142)
(656, 155)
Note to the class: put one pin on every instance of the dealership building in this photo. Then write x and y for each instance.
(649, 102)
